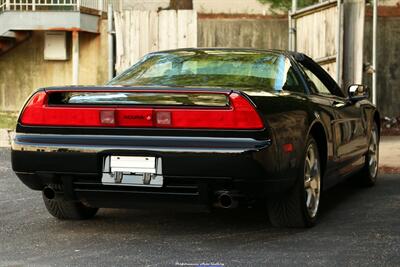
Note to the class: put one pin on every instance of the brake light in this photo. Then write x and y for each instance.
(241, 114)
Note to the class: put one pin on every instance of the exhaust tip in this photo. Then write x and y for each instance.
(225, 201)
(49, 193)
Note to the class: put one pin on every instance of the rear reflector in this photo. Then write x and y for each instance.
(241, 114)
(163, 118)
(107, 116)
(287, 148)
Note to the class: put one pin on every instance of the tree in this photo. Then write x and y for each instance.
(285, 5)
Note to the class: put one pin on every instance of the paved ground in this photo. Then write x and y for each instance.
(357, 227)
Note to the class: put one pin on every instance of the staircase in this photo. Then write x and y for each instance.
(19, 18)
(10, 39)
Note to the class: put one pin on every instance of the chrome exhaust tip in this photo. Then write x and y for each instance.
(49, 193)
(227, 201)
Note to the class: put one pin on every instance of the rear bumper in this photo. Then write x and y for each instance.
(194, 168)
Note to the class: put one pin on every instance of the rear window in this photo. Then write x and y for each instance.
(138, 98)
(268, 71)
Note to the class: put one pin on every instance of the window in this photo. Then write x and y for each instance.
(292, 83)
(317, 85)
(266, 71)
(314, 82)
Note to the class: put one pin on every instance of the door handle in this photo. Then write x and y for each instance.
(338, 103)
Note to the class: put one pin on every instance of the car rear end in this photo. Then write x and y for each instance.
(146, 146)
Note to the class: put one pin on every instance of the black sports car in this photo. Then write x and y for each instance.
(216, 127)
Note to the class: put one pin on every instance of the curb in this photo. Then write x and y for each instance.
(389, 170)
(6, 137)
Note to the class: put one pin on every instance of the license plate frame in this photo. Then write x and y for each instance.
(144, 171)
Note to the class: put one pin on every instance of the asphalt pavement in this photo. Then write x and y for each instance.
(358, 227)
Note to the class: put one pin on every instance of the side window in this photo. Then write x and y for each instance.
(292, 84)
(315, 83)
(285, 77)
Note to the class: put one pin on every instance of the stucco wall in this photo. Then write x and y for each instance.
(23, 69)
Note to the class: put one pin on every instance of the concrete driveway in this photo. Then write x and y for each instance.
(357, 227)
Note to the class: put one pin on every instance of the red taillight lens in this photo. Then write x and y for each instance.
(240, 115)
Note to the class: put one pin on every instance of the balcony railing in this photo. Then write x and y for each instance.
(57, 5)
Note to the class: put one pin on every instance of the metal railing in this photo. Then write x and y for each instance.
(56, 5)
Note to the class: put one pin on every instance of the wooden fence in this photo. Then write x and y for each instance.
(334, 41)
(141, 32)
(317, 33)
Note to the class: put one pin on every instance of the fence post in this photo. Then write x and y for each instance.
(111, 64)
(33, 5)
(78, 5)
(7, 5)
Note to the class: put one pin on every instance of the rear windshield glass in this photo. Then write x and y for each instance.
(210, 68)
(138, 98)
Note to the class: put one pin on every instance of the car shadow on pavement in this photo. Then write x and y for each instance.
(217, 223)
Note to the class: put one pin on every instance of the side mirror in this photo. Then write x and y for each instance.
(357, 92)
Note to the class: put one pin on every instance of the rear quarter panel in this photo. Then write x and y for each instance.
(288, 117)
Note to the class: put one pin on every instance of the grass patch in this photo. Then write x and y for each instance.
(8, 120)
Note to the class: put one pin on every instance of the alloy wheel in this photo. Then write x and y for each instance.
(372, 155)
(312, 180)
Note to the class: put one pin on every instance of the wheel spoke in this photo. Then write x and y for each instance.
(311, 155)
(309, 197)
(314, 169)
(308, 163)
(307, 183)
(311, 205)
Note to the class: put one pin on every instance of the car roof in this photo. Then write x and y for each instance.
(227, 50)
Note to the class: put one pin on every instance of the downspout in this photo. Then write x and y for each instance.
(339, 44)
(292, 27)
(75, 58)
(374, 36)
(110, 42)
(290, 30)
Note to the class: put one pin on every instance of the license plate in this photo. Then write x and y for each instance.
(132, 171)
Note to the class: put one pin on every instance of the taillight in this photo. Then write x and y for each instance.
(241, 114)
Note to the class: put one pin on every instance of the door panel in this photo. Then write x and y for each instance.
(347, 124)
(349, 130)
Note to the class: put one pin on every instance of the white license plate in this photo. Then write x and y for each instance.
(132, 171)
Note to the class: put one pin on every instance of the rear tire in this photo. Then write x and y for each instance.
(368, 175)
(69, 210)
(299, 207)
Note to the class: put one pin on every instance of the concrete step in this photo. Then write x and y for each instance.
(8, 34)
(10, 39)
